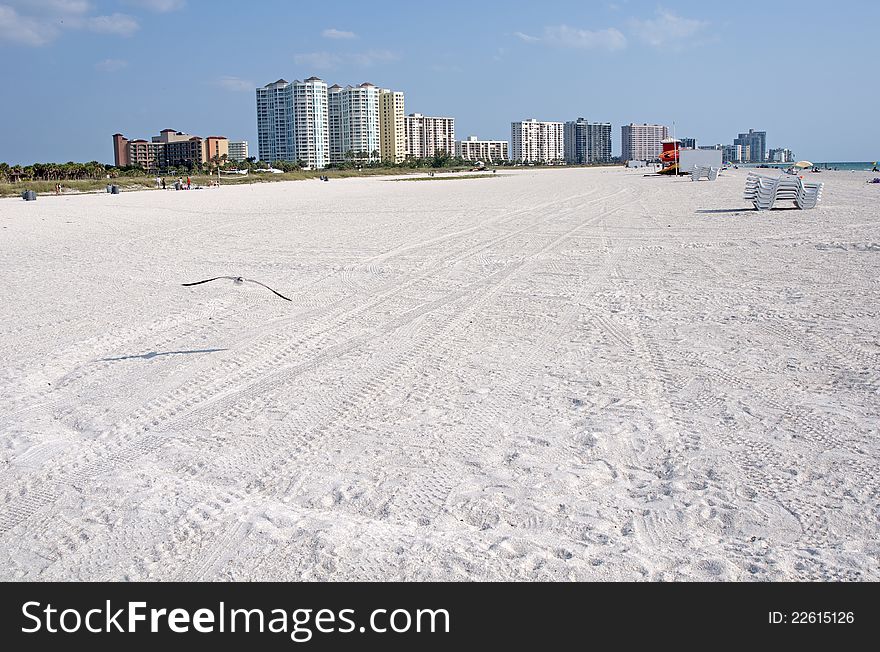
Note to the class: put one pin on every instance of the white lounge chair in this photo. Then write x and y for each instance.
(810, 195)
(764, 192)
(711, 173)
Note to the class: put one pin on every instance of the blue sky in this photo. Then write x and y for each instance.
(76, 71)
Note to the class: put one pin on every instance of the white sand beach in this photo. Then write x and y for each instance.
(580, 374)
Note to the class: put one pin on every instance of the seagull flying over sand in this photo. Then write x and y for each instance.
(237, 280)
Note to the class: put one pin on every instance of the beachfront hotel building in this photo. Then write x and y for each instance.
(487, 151)
(169, 148)
(354, 123)
(392, 126)
(138, 153)
(292, 123)
(781, 155)
(429, 135)
(756, 141)
(238, 150)
(216, 149)
(736, 154)
(642, 142)
(121, 156)
(532, 141)
(587, 143)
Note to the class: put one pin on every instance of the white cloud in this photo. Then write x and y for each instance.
(53, 7)
(372, 57)
(159, 6)
(39, 22)
(563, 36)
(111, 65)
(667, 30)
(318, 60)
(526, 38)
(235, 84)
(15, 28)
(120, 24)
(332, 60)
(338, 34)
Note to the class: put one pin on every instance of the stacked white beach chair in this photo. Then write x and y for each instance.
(764, 192)
(705, 171)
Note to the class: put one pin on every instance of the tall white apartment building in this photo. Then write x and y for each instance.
(532, 141)
(238, 150)
(642, 142)
(292, 122)
(392, 126)
(427, 135)
(487, 151)
(353, 121)
(311, 138)
(274, 122)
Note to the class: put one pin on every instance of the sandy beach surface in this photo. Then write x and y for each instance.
(547, 375)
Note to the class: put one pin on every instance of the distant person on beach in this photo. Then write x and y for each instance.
(163, 183)
(188, 184)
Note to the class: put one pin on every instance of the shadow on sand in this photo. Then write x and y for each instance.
(746, 210)
(154, 354)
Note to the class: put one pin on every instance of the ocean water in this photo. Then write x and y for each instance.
(845, 165)
(849, 166)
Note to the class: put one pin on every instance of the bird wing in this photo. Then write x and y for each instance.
(249, 280)
(216, 278)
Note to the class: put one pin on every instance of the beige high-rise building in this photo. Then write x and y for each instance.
(642, 142)
(216, 149)
(145, 154)
(392, 126)
(487, 151)
(426, 135)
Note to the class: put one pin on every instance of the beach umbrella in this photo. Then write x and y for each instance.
(803, 164)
